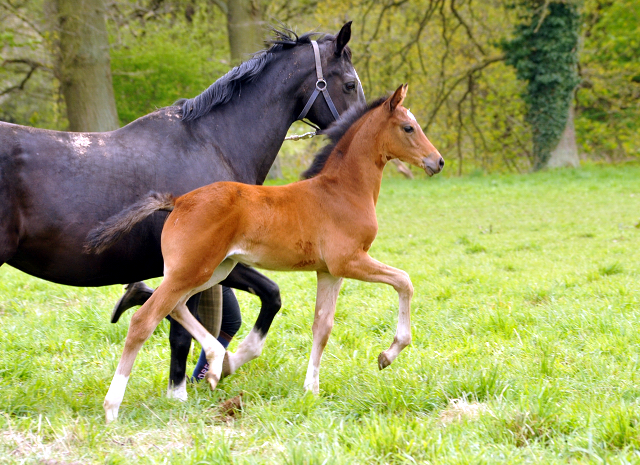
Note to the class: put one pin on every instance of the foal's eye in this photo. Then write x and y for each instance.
(408, 129)
(350, 86)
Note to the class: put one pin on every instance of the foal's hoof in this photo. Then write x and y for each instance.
(383, 361)
(212, 379)
(135, 294)
(226, 365)
(110, 413)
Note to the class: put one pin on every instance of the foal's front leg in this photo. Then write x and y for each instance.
(326, 297)
(365, 268)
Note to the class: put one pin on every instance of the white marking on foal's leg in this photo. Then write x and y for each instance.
(312, 379)
(249, 348)
(215, 355)
(403, 332)
(114, 397)
(178, 392)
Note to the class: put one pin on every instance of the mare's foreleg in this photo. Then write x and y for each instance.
(249, 280)
(142, 324)
(365, 268)
(326, 298)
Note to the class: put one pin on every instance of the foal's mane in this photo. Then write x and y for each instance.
(222, 90)
(336, 131)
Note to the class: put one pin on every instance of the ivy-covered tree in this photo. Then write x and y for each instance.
(544, 52)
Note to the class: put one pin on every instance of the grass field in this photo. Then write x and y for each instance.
(526, 321)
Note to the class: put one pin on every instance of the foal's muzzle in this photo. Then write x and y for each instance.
(433, 165)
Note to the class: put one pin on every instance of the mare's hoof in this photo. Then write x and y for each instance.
(135, 294)
(212, 379)
(383, 361)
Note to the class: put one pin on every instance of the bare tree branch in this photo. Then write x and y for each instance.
(467, 28)
(445, 95)
(33, 66)
(14, 11)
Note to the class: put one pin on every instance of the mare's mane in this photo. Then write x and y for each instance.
(336, 131)
(222, 90)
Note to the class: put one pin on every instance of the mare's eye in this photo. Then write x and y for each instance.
(350, 86)
(408, 129)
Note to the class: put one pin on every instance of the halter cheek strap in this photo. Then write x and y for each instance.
(321, 88)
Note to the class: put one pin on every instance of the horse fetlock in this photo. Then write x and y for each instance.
(402, 341)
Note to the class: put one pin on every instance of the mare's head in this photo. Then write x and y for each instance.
(402, 137)
(341, 80)
(294, 61)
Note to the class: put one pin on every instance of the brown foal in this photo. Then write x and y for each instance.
(325, 223)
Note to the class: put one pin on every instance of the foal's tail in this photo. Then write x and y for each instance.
(111, 231)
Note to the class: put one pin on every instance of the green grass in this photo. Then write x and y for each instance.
(526, 321)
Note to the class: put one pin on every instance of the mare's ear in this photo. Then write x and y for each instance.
(343, 38)
(398, 97)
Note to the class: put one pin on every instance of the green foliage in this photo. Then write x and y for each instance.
(167, 57)
(544, 54)
(608, 101)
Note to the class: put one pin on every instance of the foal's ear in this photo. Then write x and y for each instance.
(343, 38)
(398, 97)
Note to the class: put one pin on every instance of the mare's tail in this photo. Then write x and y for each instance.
(111, 231)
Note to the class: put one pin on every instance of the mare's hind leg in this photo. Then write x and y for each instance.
(326, 298)
(142, 324)
(365, 268)
(180, 341)
(249, 280)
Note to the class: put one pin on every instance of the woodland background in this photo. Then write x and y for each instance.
(463, 60)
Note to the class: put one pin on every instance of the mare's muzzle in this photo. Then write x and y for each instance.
(433, 164)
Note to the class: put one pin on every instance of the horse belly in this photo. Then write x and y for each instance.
(300, 256)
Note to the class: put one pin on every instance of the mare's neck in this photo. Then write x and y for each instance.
(253, 124)
(357, 162)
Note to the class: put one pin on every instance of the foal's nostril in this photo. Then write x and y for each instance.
(441, 163)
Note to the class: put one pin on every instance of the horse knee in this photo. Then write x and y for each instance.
(403, 340)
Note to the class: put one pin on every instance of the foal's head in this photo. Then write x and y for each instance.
(403, 138)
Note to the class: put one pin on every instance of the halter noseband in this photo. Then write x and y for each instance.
(321, 87)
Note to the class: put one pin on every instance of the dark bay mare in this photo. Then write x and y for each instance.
(325, 224)
(56, 186)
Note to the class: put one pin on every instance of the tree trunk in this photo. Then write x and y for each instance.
(84, 65)
(245, 29)
(244, 25)
(566, 152)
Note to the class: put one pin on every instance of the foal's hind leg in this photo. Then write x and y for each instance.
(142, 324)
(365, 268)
(249, 280)
(326, 297)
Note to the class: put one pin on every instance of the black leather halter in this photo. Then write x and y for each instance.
(321, 88)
